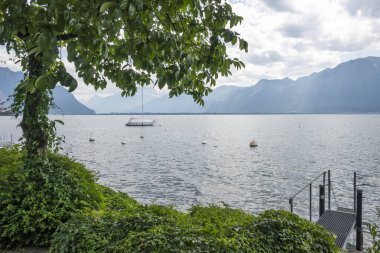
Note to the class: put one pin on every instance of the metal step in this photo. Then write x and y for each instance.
(340, 223)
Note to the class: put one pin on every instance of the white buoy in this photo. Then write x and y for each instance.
(123, 142)
(204, 140)
(91, 139)
(253, 143)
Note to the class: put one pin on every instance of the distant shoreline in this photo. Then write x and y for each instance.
(174, 114)
(322, 113)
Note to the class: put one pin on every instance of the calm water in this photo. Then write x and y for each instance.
(170, 166)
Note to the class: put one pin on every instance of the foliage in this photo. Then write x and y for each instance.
(375, 245)
(33, 202)
(182, 42)
(271, 231)
(178, 44)
(59, 204)
(286, 232)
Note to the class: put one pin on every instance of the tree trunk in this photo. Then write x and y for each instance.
(34, 123)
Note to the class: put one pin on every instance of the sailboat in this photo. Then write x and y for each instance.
(141, 121)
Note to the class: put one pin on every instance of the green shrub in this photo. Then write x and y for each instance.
(204, 229)
(34, 202)
(59, 204)
(287, 232)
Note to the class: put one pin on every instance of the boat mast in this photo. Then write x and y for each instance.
(142, 103)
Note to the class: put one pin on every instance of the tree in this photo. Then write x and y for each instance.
(180, 44)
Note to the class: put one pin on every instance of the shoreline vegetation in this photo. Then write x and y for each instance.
(60, 205)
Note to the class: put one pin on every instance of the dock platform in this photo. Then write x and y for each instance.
(340, 223)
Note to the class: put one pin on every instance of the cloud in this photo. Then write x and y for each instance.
(287, 38)
(279, 5)
(264, 58)
(352, 45)
(7, 60)
(302, 27)
(370, 8)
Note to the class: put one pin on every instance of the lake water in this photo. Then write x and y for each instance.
(170, 165)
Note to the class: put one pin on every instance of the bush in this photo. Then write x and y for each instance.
(34, 202)
(59, 204)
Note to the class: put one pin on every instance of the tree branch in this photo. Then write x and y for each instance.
(67, 36)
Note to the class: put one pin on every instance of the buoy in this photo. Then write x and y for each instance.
(141, 137)
(91, 139)
(204, 142)
(253, 143)
(123, 142)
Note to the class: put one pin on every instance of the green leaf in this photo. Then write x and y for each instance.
(41, 82)
(59, 121)
(35, 50)
(104, 50)
(132, 9)
(73, 85)
(105, 6)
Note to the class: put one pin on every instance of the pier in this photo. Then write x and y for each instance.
(340, 222)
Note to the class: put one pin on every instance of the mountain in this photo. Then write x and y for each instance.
(350, 87)
(186, 104)
(118, 104)
(65, 102)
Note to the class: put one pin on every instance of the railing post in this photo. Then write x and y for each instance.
(324, 178)
(329, 189)
(311, 207)
(321, 200)
(291, 205)
(355, 192)
(359, 220)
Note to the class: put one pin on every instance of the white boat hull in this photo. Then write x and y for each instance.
(140, 122)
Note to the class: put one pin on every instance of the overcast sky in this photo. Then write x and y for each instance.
(291, 38)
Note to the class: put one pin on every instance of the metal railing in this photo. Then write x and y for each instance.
(310, 186)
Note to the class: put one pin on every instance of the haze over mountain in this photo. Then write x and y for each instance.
(117, 103)
(350, 87)
(65, 102)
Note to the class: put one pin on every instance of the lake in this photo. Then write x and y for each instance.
(170, 166)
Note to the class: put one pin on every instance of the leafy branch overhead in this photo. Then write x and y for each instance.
(179, 44)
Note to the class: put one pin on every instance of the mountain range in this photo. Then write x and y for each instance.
(350, 87)
(65, 102)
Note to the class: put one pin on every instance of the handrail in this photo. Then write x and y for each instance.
(311, 191)
(323, 173)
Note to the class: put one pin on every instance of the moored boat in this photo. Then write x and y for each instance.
(140, 122)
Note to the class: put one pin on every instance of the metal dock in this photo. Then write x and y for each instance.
(338, 223)
(342, 221)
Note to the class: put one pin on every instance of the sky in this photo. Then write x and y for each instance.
(288, 38)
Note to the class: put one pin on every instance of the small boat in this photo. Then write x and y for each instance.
(140, 122)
